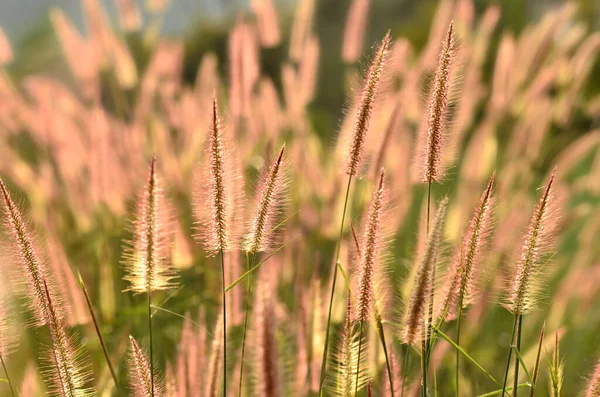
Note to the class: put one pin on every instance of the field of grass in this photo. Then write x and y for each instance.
(213, 238)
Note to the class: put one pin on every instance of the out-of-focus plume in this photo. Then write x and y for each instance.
(354, 33)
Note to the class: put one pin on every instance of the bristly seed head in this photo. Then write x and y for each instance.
(524, 289)
(593, 387)
(146, 257)
(433, 130)
(368, 256)
(462, 277)
(422, 282)
(270, 192)
(216, 200)
(365, 108)
(140, 376)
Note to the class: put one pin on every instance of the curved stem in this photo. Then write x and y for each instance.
(358, 360)
(337, 259)
(512, 338)
(249, 263)
(224, 324)
(12, 390)
(516, 381)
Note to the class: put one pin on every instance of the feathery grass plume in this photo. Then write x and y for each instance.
(146, 256)
(420, 292)
(365, 108)
(260, 236)
(368, 255)
(68, 371)
(34, 271)
(215, 202)
(523, 292)
(267, 369)
(593, 387)
(345, 359)
(555, 367)
(460, 284)
(433, 130)
(140, 373)
(215, 362)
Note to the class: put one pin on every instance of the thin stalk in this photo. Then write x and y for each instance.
(516, 381)
(337, 259)
(458, 343)
(224, 323)
(358, 361)
(387, 360)
(98, 333)
(249, 263)
(425, 343)
(512, 338)
(12, 390)
(404, 365)
(150, 335)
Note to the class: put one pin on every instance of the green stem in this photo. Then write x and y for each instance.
(358, 361)
(12, 390)
(512, 338)
(387, 360)
(224, 323)
(425, 344)
(458, 343)
(150, 335)
(249, 262)
(337, 259)
(404, 365)
(98, 333)
(516, 381)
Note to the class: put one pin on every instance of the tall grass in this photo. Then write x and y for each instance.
(466, 134)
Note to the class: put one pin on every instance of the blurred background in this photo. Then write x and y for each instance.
(90, 89)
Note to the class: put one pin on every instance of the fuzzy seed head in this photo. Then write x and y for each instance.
(460, 284)
(68, 370)
(146, 257)
(32, 271)
(7, 333)
(368, 256)
(422, 282)
(140, 379)
(215, 202)
(365, 108)
(539, 239)
(433, 130)
(270, 197)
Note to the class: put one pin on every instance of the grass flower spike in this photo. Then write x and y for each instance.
(433, 130)
(365, 108)
(141, 381)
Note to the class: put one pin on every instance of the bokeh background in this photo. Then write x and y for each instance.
(80, 116)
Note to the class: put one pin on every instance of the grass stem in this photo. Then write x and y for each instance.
(224, 323)
(516, 380)
(12, 390)
(249, 263)
(150, 337)
(98, 333)
(404, 366)
(512, 338)
(360, 340)
(458, 343)
(337, 259)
